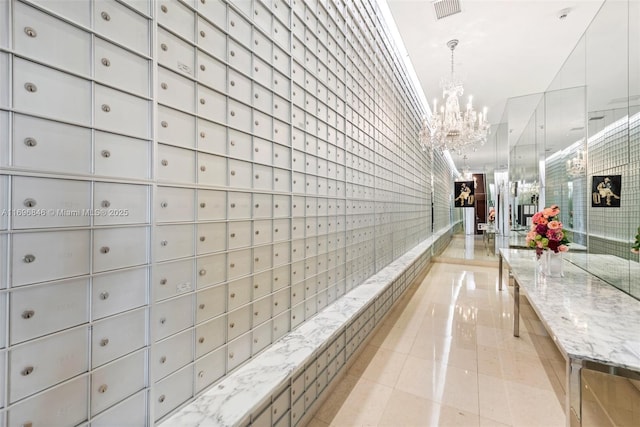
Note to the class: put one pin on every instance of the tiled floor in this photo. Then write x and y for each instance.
(446, 356)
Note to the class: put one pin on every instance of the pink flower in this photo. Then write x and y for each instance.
(536, 217)
(554, 225)
(563, 248)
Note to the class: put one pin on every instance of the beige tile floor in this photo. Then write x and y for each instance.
(446, 356)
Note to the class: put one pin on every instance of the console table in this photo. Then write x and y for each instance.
(595, 325)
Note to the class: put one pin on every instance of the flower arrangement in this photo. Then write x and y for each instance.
(492, 215)
(636, 246)
(546, 232)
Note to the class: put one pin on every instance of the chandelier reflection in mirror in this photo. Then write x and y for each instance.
(577, 166)
(450, 129)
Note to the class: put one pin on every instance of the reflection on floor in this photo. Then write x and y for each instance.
(446, 355)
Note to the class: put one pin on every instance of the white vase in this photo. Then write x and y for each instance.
(553, 264)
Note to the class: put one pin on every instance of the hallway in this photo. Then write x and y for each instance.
(446, 356)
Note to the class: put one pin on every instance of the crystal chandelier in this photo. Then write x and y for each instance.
(450, 129)
(577, 166)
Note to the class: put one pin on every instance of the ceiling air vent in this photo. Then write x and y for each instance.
(446, 8)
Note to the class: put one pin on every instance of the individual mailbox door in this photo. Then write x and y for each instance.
(262, 45)
(212, 137)
(239, 87)
(174, 241)
(212, 72)
(214, 10)
(239, 56)
(119, 247)
(239, 234)
(212, 105)
(211, 270)
(173, 204)
(281, 254)
(281, 203)
(262, 125)
(239, 26)
(120, 68)
(173, 390)
(262, 284)
(122, 113)
(48, 361)
(262, 177)
(261, 335)
(175, 54)
(281, 60)
(281, 230)
(262, 258)
(117, 381)
(39, 257)
(51, 40)
(42, 310)
(262, 205)
(175, 164)
(50, 146)
(177, 17)
(239, 293)
(120, 204)
(209, 237)
(239, 322)
(238, 351)
(120, 156)
(131, 410)
(262, 72)
(239, 115)
(176, 128)
(210, 335)
(262, 17)
(172, 278)
(45, 409)
(239, 263)
(211, 302)
(55, 202)
(175, 90)
(211, 40)
(172, 316)
(212, 170)
(122, 25)
(262, 99)
(281, 132)
(240, 174)
(39, 90)
(171, 354)
(212, 205)
(118, 291)
(210, 368)
(262, 232)
(239, 205)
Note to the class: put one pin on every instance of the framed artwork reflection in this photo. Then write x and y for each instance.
(605, 191)
(464, 192)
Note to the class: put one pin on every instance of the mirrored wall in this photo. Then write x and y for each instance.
(577, 145)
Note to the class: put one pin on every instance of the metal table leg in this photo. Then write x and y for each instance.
(516, 308)
(574, 392)
(500, 271)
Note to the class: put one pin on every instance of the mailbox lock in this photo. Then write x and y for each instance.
(30, 32)
(28, 314)
(30, 142)
(29, 258)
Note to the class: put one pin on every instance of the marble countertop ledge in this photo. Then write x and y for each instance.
(588, 318)
(229, 402)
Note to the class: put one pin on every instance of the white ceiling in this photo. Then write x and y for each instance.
(506, 49)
